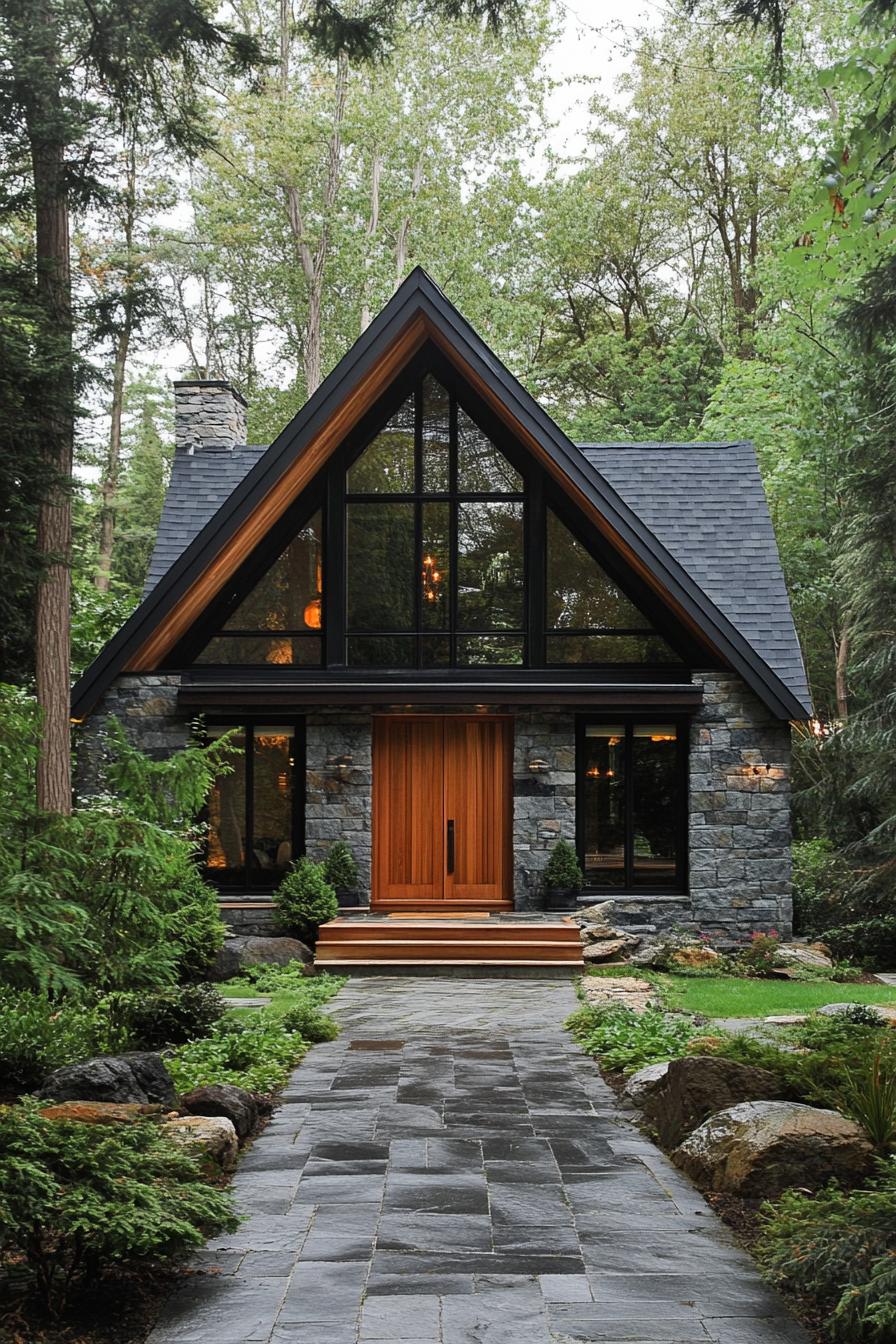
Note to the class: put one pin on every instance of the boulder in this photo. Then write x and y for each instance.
(697, 1086)
(234, 1103)
(102, 1112)
(212, 1137)
(594, 933)
(760, 1148)
(241, 950)
(814, 955)
(696, 957)
(607, 949)
(642, 1084)
(600, 914)
(139, 1076)
(624, 990)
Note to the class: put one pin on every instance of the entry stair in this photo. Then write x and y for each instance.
(420, 943)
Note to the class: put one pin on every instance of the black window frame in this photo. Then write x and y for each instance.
(327, 492)
(247, 723)
(629, 718)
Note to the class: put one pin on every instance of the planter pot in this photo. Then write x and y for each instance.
(348, 900)
(561, 898)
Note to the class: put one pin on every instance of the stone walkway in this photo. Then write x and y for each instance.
(452, 1170)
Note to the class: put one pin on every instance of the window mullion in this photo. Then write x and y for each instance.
(249, 738)
(629, 807)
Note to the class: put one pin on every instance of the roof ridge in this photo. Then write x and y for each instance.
(662, 445)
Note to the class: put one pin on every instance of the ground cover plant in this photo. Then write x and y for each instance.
(626, 1041)
(836, 1252)
(76, 1199)
(288, 986)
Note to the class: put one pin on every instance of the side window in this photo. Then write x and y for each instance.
(253, 812)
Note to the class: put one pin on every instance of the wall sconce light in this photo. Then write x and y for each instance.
(341, 763)
(538, 766)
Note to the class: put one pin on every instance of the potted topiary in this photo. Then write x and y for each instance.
(563, 878)
(304, 900)
(341, 872)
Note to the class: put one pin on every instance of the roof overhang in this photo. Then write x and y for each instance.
(417, 312)
(227, 692)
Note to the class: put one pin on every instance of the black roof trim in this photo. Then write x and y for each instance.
(420, 295)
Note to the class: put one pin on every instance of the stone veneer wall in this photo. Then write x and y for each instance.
(146, 707)
(739, 803)
(739, 833)
(208, 414)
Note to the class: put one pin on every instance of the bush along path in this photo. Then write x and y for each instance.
(790, 1128)
(453, 1170)
(119, 1165)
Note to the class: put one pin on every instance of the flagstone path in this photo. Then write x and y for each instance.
(452, 1170)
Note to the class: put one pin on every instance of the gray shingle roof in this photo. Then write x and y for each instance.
(200, 483)
(703, 502)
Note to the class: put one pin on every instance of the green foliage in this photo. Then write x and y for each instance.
(870, 1096)
(625, 1041)
(110, 896)
(870, 942)
(96, 617)
(837, 1251)
(75, 1198)
(38, 1035)
(167, 1016)
(820, 878)
(311, 1024)
(254, 1052)
(562, 870)
(305, 899)
(340, 868)
(291, 978)
(760, 955)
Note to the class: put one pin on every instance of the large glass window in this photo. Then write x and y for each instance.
(281, 619)
(252, 810)
(589, 618)
(435, 575)
(631, 806)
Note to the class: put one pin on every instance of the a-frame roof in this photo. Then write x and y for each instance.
(420, 312)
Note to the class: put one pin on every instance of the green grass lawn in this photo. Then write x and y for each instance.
(726, 996)
(315, 990)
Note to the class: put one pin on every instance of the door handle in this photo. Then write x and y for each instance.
(449, 842)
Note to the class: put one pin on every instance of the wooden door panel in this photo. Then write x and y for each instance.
(477, 801)
(409, 860)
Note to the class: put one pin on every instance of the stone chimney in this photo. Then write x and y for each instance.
(209, 416)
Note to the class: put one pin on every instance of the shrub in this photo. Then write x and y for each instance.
(562, 870)
(837, 1250)
(870, 1098)
(340, 868)
(168, 1016)
(254, 1052)
(625, 1041)
(760, 956)
(290, 979)
(821, 877)
(311, 1024)
(38, 1035)
(870, 942)
(75, 1198)
(111, 895)
(305, 899)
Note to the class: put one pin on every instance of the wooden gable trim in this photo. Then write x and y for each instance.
(298, 475)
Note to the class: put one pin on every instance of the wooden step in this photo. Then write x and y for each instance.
(358, 930)
(392, 949)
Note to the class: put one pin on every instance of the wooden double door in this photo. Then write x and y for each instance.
(442, 807)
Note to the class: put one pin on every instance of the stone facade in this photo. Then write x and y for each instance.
(208, 414)
(739, 796)
(739, 806)
(146, 708)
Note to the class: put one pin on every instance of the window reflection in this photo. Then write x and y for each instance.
(386, 466)
(250, 810)
(654, 804)
(603, 805)
(490, 565)
(482, 469)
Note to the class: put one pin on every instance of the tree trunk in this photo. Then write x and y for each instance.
(54, 523)
(113, 462)
(841, 646)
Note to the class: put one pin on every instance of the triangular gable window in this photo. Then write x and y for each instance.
(280, 621)
(589, 618)
(443, 552)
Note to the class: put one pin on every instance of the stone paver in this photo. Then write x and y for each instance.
(452, 1170)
